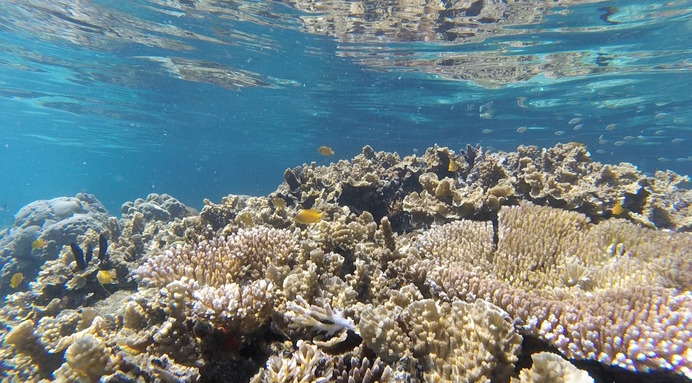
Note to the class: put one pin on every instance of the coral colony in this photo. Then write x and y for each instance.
(538, 265)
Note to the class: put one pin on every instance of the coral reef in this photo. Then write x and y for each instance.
(551, 368)
(43, 227)
(445, 267)
(585, 289)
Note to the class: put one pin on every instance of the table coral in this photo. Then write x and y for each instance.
(641, 324)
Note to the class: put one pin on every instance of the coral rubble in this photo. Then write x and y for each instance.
(448, 267)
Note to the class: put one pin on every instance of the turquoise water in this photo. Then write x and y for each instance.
(199, 99)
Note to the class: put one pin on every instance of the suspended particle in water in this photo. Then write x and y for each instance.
(487, 110)
(610, 127)
(521, 129)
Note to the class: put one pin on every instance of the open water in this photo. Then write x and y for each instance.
(199, 99)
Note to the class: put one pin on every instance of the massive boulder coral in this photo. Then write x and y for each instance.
(53, 223)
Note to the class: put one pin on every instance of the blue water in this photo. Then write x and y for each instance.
(199, 99)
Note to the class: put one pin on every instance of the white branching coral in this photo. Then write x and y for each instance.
(321, 319)
(87, 360)
(225, 279)
(551, 368)
(307, 364)
(237, 258)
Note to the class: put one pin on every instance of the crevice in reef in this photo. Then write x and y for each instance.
(600, 373)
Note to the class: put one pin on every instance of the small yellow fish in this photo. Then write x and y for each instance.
(617, 209)
(453, 166)
(279, 202)
(307, 216)
(325, 151)
(106, 277)
(246, 218)
(16, 279)
(38, 244)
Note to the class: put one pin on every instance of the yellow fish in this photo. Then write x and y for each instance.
(106, 277)
(325, 151)
(617, 209)
(453, 166)
(279, 202)
(246, 218)
(38, 244)
(16, 279)
(307, 216)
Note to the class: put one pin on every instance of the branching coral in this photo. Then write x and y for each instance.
(551, 368)
(306, 364)
(452, 342)
(639, 325)
(321, 319)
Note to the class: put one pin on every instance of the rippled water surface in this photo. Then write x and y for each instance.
(204, 98)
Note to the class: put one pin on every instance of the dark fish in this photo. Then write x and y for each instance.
(78, 256)
(103, 247)
(89, 253)
(291, 180)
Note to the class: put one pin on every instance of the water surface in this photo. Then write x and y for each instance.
(200, 99)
